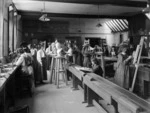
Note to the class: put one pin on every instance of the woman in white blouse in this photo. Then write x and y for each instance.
(49, 49)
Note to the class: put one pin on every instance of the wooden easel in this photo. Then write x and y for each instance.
(136, 61)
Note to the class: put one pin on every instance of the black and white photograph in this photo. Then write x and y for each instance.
(74, 56)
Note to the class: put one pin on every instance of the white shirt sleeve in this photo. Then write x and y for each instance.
(70, 52)
(20, 60)
(39, 57)
(47, 51)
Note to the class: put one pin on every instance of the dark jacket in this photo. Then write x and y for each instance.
(98, 70)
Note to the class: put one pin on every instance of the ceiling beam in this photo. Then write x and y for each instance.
(128, 3)
(38, 14)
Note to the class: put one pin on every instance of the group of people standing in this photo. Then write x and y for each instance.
(37, 57)
(32, 56)
(40, 59)
(35, 60)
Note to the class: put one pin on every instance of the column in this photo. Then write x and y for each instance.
(1, 28)
(15, 30)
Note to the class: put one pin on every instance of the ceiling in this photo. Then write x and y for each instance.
(57, 9)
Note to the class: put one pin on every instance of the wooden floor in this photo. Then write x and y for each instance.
(48, 99)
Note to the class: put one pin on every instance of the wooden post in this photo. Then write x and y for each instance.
(89, 97)
(138, 57)
(103, 64)
(85, 94)
(75, 82)
(52, 69)
(1, 27)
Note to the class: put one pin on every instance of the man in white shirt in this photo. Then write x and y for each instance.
(49, 49)
(41, 59)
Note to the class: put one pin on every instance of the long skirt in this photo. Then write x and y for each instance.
(44, 68)
(70, 59)
(35, 68)
(79, 60)
(122, 76)
(39, 76)
(87, 62)
(48, 62)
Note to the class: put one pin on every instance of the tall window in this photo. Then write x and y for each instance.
(15, 31)
(5, 32)
(11, 28)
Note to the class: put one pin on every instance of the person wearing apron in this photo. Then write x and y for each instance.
(87, 56)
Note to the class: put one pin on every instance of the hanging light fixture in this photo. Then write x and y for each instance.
(99, 24)
(44, 17)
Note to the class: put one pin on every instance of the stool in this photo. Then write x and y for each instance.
(52, 69)
(60, 68)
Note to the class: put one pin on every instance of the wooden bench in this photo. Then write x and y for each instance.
(123, 97)
(115, 97)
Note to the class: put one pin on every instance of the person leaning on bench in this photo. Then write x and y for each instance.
(96, 68)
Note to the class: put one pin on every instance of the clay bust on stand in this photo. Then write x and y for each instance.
(59, 49)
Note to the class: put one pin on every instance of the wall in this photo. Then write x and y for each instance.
(136, 23)
(1, 26)
(137, 26)
(88, 28)
(62, 29)
(4, 27)
(10, 33)
(19, 32)
(125, 36)
(10, 28)
(44, 30)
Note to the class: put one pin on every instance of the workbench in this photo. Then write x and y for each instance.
(7, 85)
(111, 97)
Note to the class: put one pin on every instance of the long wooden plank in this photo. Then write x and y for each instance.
(130, 105)
(95, 87)
(127, 3)
(28, 14)
(7, 77)
(121, 91)
(137, 65)
(108, 90)
(99, 108)
(77, 73)
(108, 107)
(118, 98)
